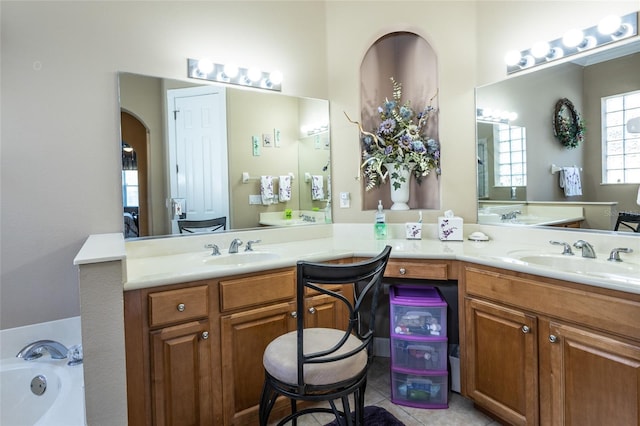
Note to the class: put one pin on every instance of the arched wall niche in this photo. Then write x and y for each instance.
(412, 61)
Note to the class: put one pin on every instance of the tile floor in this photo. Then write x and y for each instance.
(459, 413)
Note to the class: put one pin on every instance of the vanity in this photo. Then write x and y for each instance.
(539, 344)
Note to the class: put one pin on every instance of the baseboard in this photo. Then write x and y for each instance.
(381, 347)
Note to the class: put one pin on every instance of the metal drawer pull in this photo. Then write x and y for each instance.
(181, 307)
(294, 314)
(525, 329)
(205, 335)
(553, 338)
(403, 271)
(312, 310)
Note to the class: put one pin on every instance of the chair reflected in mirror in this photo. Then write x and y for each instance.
(334, 361)
(202, 226)
(628, 220)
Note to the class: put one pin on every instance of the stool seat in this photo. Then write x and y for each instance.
(281, 357)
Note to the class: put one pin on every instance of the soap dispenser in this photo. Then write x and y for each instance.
(380, 227)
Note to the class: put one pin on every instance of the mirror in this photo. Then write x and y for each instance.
(265, 134)
(533, 96)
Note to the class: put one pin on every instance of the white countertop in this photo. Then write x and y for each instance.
(155, 262)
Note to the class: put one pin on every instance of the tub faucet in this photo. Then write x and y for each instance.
(587, 249)
(233, 248)
(34, 350)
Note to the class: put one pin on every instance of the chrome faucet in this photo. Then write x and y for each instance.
(215, 249)
(587, 249)
(614, 256)
(511, 215)
(233, 248)
(566, 247)
(35, 350)
(249, 246)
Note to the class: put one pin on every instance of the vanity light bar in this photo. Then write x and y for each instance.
(610, 30)
(203, 69)
(495, 116)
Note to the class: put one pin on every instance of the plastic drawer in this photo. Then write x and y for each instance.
(420, 390)
(422, 355)
(417, 311)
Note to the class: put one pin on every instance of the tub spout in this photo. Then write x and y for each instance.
(35, 350)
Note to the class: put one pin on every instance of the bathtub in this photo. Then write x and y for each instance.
(62, 402)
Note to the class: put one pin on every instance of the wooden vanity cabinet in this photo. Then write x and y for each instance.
(169, 356)
(194, 350)
(550, 352)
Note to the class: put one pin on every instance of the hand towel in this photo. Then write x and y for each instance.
(266, 189)
(284, 189)
(317, 187)
(570, 181)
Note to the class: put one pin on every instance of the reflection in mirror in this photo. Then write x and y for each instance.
(257, 133)
(533, 96)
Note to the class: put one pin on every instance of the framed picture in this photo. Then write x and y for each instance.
(267, 140)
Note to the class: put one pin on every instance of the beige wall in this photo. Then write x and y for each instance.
(60, 162)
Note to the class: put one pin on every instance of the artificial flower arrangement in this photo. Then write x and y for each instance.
(399, 139)
(568, 127)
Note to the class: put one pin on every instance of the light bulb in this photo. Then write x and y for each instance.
(540, 49)
(205, 66)
(275, 77)
(573, 37)
(231, 70)
(512, 58)
(254, 74)
(609, 25)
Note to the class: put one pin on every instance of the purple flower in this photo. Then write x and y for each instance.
(387, 127)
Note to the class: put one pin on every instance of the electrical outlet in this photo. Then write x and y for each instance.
(345, 200)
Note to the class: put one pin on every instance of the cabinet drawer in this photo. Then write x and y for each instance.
(257, 290)
(551, 297)
(401, 268)
(172, 306)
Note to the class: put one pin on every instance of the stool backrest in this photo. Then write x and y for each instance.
(366, 280)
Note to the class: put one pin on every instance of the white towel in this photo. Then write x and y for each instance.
(284, 189)
(570, 181)
(266, 190)
(317, 187)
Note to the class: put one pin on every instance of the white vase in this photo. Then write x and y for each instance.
(399, 176)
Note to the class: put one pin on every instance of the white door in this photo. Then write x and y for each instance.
(198, 152)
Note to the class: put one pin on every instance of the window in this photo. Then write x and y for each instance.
(130, 188)
(621, 148)
(510, 155)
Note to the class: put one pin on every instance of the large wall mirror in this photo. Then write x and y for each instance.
(533, 97)
(235, 137)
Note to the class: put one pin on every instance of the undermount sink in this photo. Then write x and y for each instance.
(599, 267)
(241, 258)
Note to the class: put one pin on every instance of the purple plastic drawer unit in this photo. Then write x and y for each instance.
(419, 347)
(418, 311)
(423, 391)
(424, 355)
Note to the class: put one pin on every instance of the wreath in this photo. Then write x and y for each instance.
(567, 125)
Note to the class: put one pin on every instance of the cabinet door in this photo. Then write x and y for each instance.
(244, 337)
(181, 375)
(502, 372)
(595, 380)
(326, 312)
